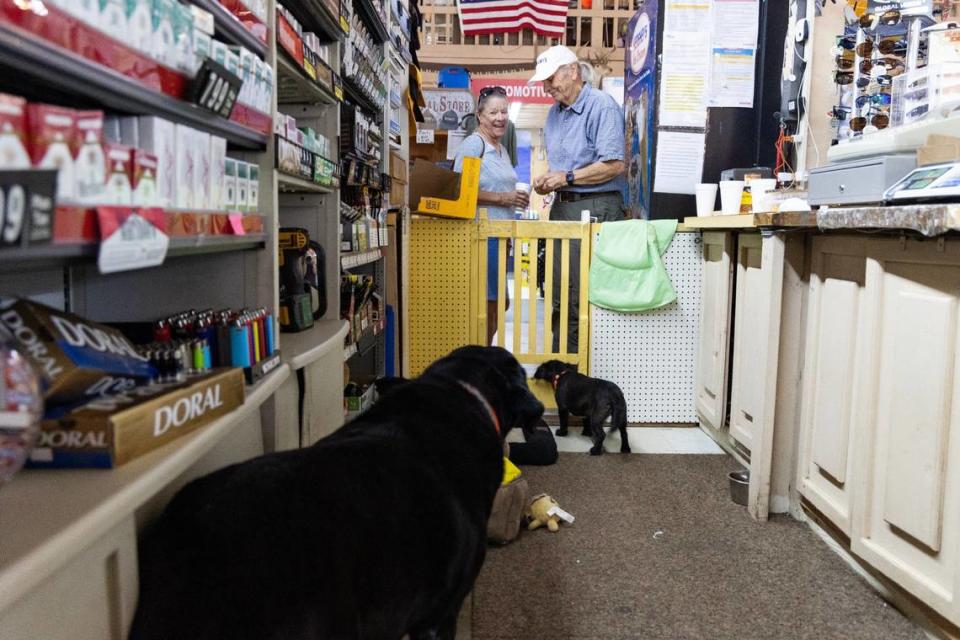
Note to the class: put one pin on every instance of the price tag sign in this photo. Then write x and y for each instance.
(131, 239)
(424, 136)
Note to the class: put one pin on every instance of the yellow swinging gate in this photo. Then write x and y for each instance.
(447, 304)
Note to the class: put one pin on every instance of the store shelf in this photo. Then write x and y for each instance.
(305, 347)
(316, 15)
(51, 516)
(295, 86)
(373, 21)
(33, 60)
(292, 184)
(358, 259)
(229, 27)
(56, 255)
(356, 96)
(366, 342)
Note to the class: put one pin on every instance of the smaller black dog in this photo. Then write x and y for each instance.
(593, 399)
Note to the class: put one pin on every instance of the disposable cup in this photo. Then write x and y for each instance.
(760, 194)
(706, 198)
(522, 186)
(731, 191)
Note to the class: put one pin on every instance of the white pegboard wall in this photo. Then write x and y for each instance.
(652, 355)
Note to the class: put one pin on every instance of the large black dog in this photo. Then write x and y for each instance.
(374, 532)
(593, 399)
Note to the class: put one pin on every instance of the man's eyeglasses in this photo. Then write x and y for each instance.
(486, 91)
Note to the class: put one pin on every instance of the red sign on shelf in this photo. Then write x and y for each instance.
(517, 89)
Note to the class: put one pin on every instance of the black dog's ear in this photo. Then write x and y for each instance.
(388, 383)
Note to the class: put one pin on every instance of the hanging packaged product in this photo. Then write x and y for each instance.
(13, 133)
(112, 430)
(78, 359)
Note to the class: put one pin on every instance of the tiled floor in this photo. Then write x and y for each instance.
(642, 440)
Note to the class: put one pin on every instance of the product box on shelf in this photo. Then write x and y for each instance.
(243, 185)
(118, 189)
(218, 156)
(13, 133)
(163, 36)
(113, 17)
(112, 430)
(90, 162)
(139, 33)
(158, 136)
(185, 189)
(230, 184)
(52, 141)
(144, 178)
(201, 142)
(253, 191)
(78, 359)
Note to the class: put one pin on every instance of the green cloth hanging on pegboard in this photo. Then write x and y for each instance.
(626, 271)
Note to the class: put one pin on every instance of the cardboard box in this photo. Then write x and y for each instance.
(78, 359)
(398, 167)
(113, 430)
(118, 189)
(439, 192)
(144, 178)
(158, 137)
(938, 149)
(13, 133)
(52, 144)
(90, 163)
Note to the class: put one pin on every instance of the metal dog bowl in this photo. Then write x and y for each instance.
(739, 486)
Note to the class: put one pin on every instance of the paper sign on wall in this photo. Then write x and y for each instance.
(679, 162)
(424, 136)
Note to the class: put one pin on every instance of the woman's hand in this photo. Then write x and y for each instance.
(515, 199)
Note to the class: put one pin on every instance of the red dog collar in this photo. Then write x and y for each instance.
(556, 378)
(486, 405)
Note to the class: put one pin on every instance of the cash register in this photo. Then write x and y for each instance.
(927, 184)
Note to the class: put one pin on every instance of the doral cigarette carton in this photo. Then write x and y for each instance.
(13, 133)
(112, 430)
(230, 184)
(186, 168)
(118, 188)
(163, 45)
(218, 156)
(144, 178)
(52, 132)
(90, 162)
(139, 32)
(202, 174)
(158, 136)
(78, 359)
(243, 185)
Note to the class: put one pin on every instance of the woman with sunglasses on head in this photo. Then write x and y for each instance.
(498, 180)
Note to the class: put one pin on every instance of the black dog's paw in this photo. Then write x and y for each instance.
(625, 448)
(596, 449)
(561, 432)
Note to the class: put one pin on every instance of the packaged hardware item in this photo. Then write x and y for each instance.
(112, 430)
(218, 156)
(13, 133)
(52, 140)
(118, 189)
(90, 162)
(144, 178)
(158, 136)
(78, 359)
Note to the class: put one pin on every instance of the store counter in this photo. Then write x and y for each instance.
(843, 327)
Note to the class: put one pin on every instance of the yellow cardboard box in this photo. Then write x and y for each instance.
(439, 192)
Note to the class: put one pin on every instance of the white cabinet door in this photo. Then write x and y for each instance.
(833, 365)
(749, 340)
(711, 385)
(907, 501)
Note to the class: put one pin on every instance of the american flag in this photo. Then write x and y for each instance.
(546, 17)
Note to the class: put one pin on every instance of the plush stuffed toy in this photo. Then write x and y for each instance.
(544, 510)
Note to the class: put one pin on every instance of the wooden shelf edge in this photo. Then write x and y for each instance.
(126, 489)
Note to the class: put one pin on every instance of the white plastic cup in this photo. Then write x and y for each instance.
(706, 198)
(731, 192)
(760, 194)
(522, 187)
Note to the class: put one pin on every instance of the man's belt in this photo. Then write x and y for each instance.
(576, 196)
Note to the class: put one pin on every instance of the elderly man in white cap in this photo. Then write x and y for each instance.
(585, 150)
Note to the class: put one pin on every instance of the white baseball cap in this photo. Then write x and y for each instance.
(550, 60)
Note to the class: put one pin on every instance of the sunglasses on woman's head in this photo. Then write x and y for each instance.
(486, 91)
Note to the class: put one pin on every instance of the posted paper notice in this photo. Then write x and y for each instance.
(732, 81)
(735, 23)
(683, 82)
(692, 16)
(679, 162)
